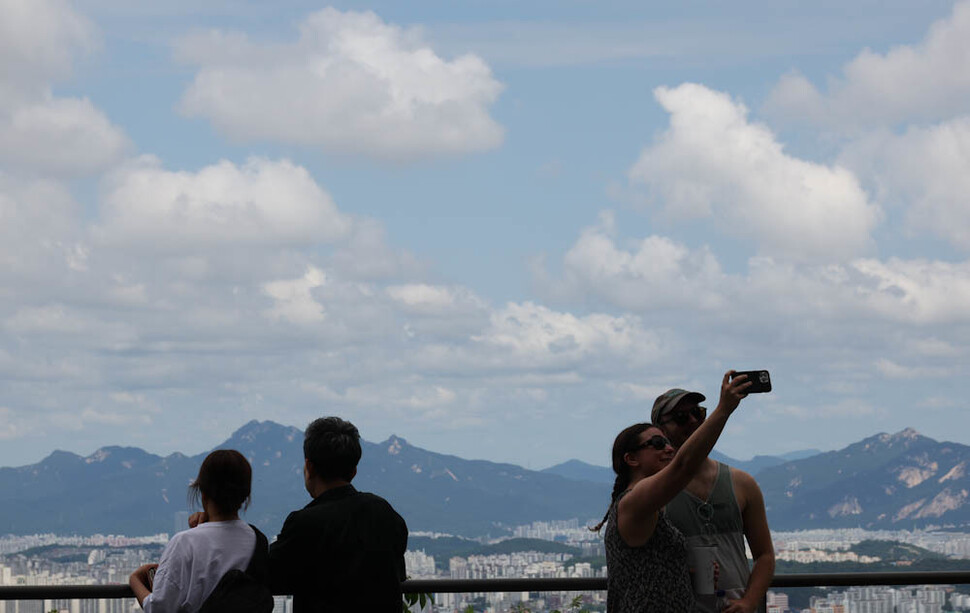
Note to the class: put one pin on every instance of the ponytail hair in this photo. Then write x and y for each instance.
(626, 441)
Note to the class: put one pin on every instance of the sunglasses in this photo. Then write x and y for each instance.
(682, 417)
(656, 441)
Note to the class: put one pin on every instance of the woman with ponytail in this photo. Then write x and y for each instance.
(195, 560)
(646, 556)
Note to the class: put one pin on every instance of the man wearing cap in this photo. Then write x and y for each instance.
(720, 507)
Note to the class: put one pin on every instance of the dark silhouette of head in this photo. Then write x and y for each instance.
(225, 479)
(332, 446)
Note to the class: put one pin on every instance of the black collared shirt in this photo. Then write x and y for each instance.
(342, 552)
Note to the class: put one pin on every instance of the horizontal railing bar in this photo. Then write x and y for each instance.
(565, 584)
(884, 578)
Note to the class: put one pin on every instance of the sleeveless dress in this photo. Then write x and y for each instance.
(653, 577)
(715, 521)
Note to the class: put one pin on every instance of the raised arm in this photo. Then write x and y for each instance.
(637, 510)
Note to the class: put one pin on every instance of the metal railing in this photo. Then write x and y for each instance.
(455, 586)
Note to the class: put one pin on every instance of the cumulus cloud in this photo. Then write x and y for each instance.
(655, 272)
(712, 162)
(39, 42)
(924, 172)
(915, 292)
(293, 298)
(926, 81)
(63, 136)
(535, 334)
(41, 133)
(919, 291)
(350, 83)
(433, 300)
(262, 202)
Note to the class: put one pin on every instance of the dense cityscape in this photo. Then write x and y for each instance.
(49, 560)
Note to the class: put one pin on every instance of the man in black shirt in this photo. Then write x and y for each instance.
(345, 550)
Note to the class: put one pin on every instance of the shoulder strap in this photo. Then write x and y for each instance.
(258, 567)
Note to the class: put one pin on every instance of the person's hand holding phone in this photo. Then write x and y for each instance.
(733, 388)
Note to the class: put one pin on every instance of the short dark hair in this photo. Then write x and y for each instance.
(333, 447)
(225, 478)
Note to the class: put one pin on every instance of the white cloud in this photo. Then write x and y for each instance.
(923, 170)
(260, 203)
(915, 292)
(532, 333)
(351, 83)
(294, 301)
(39, 42)
(926, 81)
(655, 272)
(59, 135)
(713, 163)
(432, 300)
(919, 291)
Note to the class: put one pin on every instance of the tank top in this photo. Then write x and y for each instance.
(715, 521)
(653, 577)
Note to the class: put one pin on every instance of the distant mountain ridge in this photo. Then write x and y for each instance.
(887, 481)
(896, 481)
(123, 490)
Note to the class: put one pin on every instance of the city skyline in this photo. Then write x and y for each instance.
(497, 230)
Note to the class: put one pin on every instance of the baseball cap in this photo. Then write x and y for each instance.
(666, 401)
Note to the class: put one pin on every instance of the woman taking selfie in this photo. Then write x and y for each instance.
(646, 556)
(194, 561)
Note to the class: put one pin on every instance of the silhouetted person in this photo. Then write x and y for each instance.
(646, 557)
(345, 550)
(195, 560)
(720, 507)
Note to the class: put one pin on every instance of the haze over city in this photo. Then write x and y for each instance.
(497, 230)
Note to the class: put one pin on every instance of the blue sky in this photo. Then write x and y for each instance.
(497, 229)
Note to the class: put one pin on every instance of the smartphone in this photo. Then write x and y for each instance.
(151, 577)
(760, 381)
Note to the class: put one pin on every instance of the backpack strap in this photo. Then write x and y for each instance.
(258, 567)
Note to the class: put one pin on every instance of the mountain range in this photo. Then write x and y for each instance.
(125, 490)
(887, 481)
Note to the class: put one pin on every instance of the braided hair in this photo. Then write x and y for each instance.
(626, 441)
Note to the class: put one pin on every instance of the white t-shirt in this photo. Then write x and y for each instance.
(194, 561)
